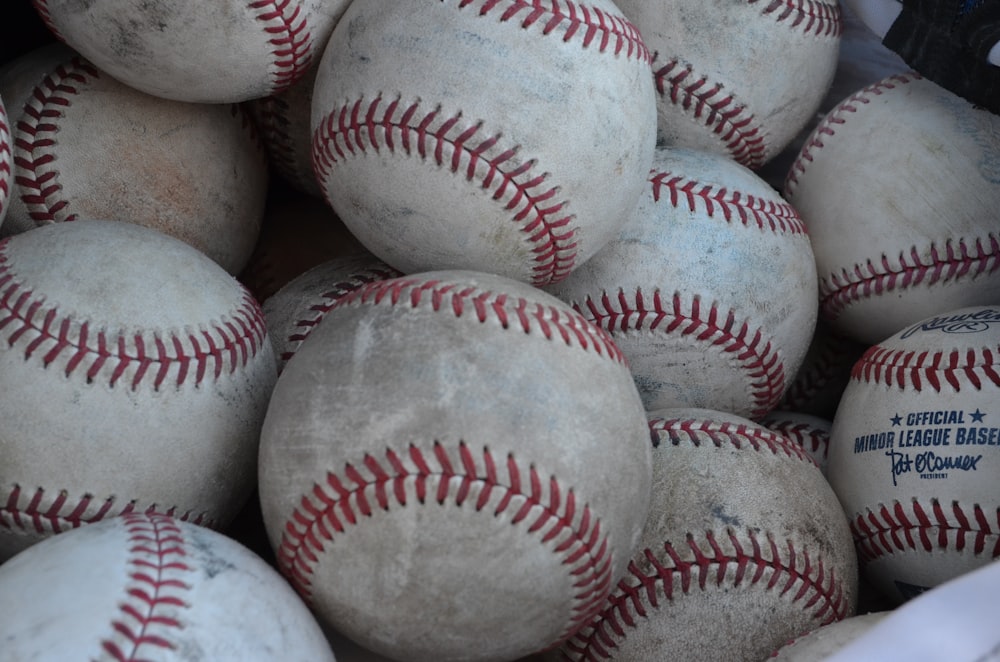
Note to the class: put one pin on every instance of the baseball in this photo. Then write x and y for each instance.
(6, 162)
(297, 308)
(709, 289)
(224, 51)
(739, 78)
(151, 587)
(913, 452)
(810, 432)
(454, 466)
(87, 146)
(745, 548)
(505, 137)
(903, 221)
(826, 640)
(129, 384)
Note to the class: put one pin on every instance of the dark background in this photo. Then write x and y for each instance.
(21, 29)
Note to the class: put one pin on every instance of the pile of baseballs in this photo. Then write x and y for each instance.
(489, 330)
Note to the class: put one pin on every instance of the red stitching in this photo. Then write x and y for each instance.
(157, 588)
(836, 117)
(819, 18)
(42, 7)
(826, 362)
(355, 128)
(328, 300)
(677, 431)
(813, 439)
(36, 131)
(610, 31)
(733, 205)
(890, 529)
(288, 33)
(272, 118)
(920, 369)
(712, 326)
(5, 160)
(716, 107)
(818, 586)
(225, 345)
(329, 508)
(952, 261)
(510, 312)
(27, 511)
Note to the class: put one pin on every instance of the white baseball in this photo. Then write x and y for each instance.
(738, 78)
(903, 221)
(299, 306)
(826, 640)
(454, 466)
(505, 137)
(87, 146)
(150, 587)
(223, 51)
(914, 452)
(745, 548)
(135, 375)
(709, 289)
(6, 162)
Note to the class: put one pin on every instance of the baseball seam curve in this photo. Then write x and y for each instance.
(891, 528)
(226, 344)
(157, 588)
(328, 509)
(917, 369)
(747, 345)
(288, 34)
(812, 16)
(350, 130)
(63, 514)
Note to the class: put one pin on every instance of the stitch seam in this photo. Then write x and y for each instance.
(28, 511)
(714, 327)
(288, 34)
(638, 592)
(156, 589)
(810, 438)
(224, 345)
(542, 505)
(327, 301)
(715, 107)
(818, 18)
(747, 209)
(589, 24)
(677, 431)
(5, 160)
(891, 528)
(926, 369)
(354, 129)
(510, 312)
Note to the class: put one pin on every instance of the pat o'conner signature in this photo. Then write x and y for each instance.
(929, 462)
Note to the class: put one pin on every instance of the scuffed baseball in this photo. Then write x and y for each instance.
(151, 587)
(709, 289)
(824, 641)
(6, 162)
(87, 146)
(458, 449)
(504, 137)
(223, 51)
(135, 375)
(903, 221)
(914, 452)
(745, 548)
(297, 308)
(738, 78)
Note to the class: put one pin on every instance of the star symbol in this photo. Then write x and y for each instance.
(896, 420)
(977, 416)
